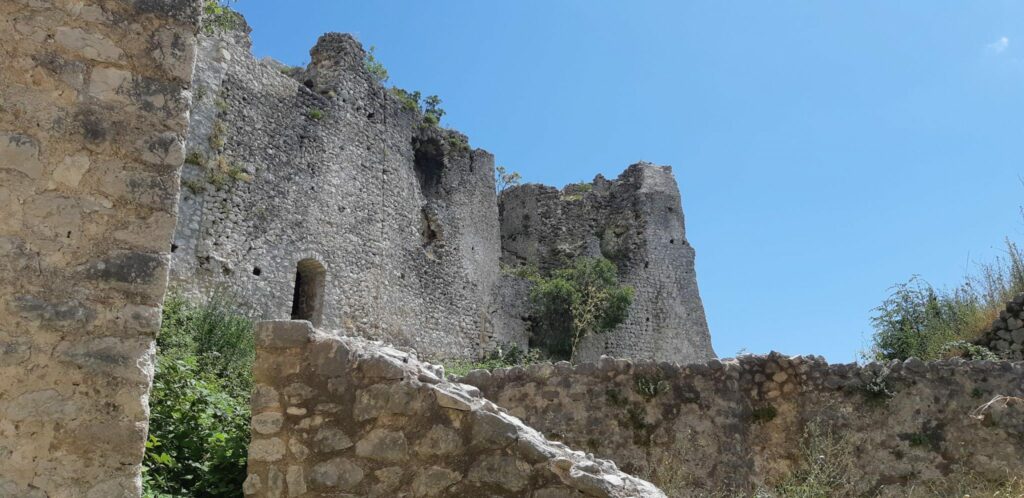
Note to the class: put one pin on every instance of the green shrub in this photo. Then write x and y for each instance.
(432, 112)
(199, 422)
(374, 66)
(315, 114)
(218, 16)
(928, 323)
(501, 357)
(410, 100)
(574, 302)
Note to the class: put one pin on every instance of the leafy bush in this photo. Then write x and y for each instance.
(432, 112)
(574, 302)
(218, 16)
(315, 114)
(928, 323)
(199, 423)
(374, 66)
(500, 357)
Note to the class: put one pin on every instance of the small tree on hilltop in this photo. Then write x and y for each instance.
(577, 301)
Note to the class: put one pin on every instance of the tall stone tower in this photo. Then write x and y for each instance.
(636, 221)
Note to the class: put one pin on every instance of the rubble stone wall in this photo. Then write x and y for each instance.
(733, 426)
(1005, 338)
(343, 416)
(636, 221)
(94, 108)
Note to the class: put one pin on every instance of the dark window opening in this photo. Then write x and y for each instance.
(671, 241)
(428, 162)
(257, 271)
(174, 247)
(308, 300)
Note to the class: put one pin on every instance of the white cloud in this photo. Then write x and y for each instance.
(999, 45)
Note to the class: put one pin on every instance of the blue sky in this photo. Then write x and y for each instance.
(825, 150)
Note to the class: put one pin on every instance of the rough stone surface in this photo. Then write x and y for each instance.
(1006, 335)
(323, 163)
(94, 103)
(426, 445)
(735, 425)
(402, 217)
(636, 221)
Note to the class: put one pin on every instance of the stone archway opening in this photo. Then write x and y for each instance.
(308, 299)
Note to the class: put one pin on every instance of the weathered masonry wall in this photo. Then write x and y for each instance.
(327, 167)
(348, 417)
(731, 426)
(636, 221)
(93, 113)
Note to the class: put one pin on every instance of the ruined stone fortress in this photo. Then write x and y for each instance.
(140, 152)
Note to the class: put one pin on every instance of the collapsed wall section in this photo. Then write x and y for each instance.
(730, 427)
(350, 417)
(93, 115)
(324, 165)
(636, 221)
(1005, 336)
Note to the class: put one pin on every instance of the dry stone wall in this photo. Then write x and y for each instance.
(1005, 338)
(325, 164)
(93, 112)
(339, 416)
(636, 221)
(733, 426)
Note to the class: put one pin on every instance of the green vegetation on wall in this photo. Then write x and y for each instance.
(576, 301)
(199, 423)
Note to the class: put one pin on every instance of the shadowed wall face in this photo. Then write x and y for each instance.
(93, 115)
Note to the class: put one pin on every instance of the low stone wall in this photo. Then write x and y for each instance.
(734, 426)
(1006, 335)
(338, 416)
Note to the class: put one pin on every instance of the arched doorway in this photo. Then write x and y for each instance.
(308, 301)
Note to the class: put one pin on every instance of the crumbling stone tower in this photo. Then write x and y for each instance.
(636, 221)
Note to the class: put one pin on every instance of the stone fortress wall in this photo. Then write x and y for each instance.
(341, 416)
(94, 109)
(328, 167)
(636, 221)
(399, 219)
(731, 426)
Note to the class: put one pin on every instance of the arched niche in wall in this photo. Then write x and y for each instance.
(308, 300)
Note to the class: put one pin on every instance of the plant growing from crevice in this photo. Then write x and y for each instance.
(649, 386)
(374, 66)
(504, 179)
(315, 114)
(219, 17)
(432, 111)
(502, 356)
(876, 390)
(763, 414)
(218, 135)
(574, 302)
